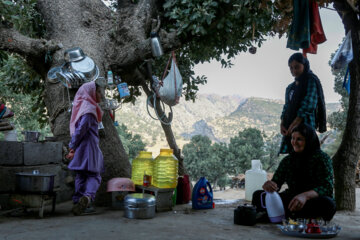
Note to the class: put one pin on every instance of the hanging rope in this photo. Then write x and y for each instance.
(162, 108)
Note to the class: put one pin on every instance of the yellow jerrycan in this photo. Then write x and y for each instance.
(165, 169)
(142, 164)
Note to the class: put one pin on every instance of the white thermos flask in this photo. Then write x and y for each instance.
(274, 206)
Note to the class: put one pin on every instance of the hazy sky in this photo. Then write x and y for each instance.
(266, 74)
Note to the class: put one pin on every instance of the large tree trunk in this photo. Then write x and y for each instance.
(114, 40)
(347, 156)
(85, 24)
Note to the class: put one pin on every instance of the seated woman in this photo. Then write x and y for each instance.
(308, 173)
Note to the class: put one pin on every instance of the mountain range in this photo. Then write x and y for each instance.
(218, 117)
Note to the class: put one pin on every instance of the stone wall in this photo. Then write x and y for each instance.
(47, 157)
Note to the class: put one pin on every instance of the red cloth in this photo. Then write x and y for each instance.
(317, 34)
(183, 190)
(112, 116)
(2, 106)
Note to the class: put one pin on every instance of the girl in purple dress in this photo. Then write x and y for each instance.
(87, 159)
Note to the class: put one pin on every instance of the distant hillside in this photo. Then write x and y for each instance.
(206, 108)
(218, 117)
(263, 114)
(201, 128)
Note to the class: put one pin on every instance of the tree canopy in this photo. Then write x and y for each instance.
(218, 160)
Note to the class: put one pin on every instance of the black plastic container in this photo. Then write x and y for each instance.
(245, 215)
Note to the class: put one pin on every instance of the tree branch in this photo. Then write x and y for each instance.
(13, 41)
(132, 35)
(167, 128)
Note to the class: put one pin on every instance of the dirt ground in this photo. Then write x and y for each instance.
(181, 223)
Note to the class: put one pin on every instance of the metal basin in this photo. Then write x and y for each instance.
(139, 206)
(87, 67)
(74, 54)
(34, 182)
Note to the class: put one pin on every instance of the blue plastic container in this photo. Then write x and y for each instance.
(123, 90)
(202, 195)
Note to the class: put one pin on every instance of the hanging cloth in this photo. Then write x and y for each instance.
(299, 35)
(317, 35)
(346, 83)
(343, 55)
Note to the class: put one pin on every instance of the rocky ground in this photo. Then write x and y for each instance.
(181, 223)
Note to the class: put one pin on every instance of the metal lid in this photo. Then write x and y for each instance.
(247, 207)
(35, 174)
(139, 200)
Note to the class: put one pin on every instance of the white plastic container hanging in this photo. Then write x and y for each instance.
(170, 87)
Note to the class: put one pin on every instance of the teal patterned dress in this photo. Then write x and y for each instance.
(301, 175)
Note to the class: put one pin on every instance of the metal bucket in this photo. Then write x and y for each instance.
(139, 206)
(34, 182)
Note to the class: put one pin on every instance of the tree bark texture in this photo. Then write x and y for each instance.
(347, 156)
(86, 24)
(119, 41)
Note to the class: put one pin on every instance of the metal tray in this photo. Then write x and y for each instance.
(309, 235)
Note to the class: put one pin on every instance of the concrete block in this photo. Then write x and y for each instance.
(11, 153)
(42, 153)
(8, 174)
(4, 201)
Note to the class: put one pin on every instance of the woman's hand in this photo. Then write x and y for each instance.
(270, 186)
(71, 154)
(283, 130)
(294, 124)
(298, 202)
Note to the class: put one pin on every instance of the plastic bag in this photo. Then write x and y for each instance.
(170, 87)
(344, 55)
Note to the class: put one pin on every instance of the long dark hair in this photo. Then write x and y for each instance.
(312, 143)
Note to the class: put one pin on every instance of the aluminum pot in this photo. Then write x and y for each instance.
(34, 182)
(139, 206)
(31, 136)
(74, 54)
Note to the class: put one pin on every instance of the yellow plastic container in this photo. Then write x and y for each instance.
(165, 169)
(142, 164)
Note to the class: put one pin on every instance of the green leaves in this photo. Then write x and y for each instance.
(219, 29)
(337, 120)
(132, 143)
(214, 161)
(18, 79)
(22, 15)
